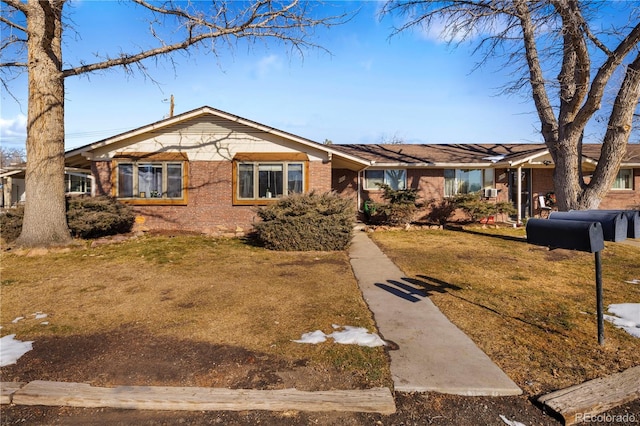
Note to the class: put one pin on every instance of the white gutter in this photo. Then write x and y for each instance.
(359, 187)
(519, 196)
(402, 165)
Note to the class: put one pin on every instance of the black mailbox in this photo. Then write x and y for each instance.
(614, 224)
(633, 221)
(566, 234)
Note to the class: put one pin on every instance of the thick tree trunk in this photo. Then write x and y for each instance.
(45, 222)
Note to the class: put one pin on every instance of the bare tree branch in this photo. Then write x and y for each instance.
(605, 72)
(540, 96)
(12, 24)
(259, 20)
(18, 5)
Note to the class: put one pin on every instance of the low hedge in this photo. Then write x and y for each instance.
(306, 222)
(87, 217)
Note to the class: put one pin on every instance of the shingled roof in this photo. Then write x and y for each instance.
(486, 155)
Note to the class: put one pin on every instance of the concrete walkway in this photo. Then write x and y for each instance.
(433, 354)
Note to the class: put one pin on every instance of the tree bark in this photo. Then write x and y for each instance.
(45, 130)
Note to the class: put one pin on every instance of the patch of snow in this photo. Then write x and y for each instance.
(510, 422)
(627, 317)
(633, 281)
(312, 337)
(12, 349)
(15, 320)
(357, 336)
(39, 315)
(349, 336)
(44, 323)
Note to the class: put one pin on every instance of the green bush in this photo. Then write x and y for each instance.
(87, 217)
(11, 223)
(478, 209)
(441, 210)
(399, 209)
(94, 217)
(306, 222)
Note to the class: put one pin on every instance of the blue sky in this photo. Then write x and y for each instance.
(371, 88)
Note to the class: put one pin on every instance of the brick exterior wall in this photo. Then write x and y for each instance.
(319, 176)
(624, 199)
(101, 171)
(541, 184)
(209, 207)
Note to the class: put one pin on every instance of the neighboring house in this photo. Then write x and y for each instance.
(207, 171)
(442, 170)
(12, 181)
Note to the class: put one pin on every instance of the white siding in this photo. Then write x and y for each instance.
(208, 138)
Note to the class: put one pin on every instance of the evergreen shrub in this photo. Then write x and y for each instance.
(11, 223)
(87, 217)
(306, 222)
(399, 209)
(94, 217)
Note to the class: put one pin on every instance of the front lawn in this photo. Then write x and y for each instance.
(533, 311)
(189, 290)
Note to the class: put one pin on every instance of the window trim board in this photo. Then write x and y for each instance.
(163, 157)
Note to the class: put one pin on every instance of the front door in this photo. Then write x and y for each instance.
(525, 185)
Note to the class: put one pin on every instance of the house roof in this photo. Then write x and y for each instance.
(479, 155)
(359, 156)
(76, 156)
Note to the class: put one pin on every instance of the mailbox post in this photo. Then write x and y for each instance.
(573, 235)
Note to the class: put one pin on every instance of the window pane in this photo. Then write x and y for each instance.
(372, 178)
(270, 180)
(462, 181)
(150, 180)
(475, 180)
(623, 180)
(488, 178)
(396, 179)
(294, 178)
(125, 180)
(77, 183)
(245, 181)
(449, 182)
(174, 180)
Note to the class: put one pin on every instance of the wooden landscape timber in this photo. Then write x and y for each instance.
(577, 404)
(376, 400)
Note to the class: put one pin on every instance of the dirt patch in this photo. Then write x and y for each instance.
(130, 356)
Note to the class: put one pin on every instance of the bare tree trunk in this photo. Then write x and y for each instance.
(45, 222)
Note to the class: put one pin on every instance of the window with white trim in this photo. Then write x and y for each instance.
(466, 181)
(76, 183)
(272, 179)
(624, 179)
(395, 178)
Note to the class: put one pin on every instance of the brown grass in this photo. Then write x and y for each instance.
(190, 287)
(533, 311)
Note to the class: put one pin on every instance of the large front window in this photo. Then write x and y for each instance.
(160, 180)
(465, 181)
(395, 178)
(265, 180)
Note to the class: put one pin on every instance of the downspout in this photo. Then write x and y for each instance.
(519, 195)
